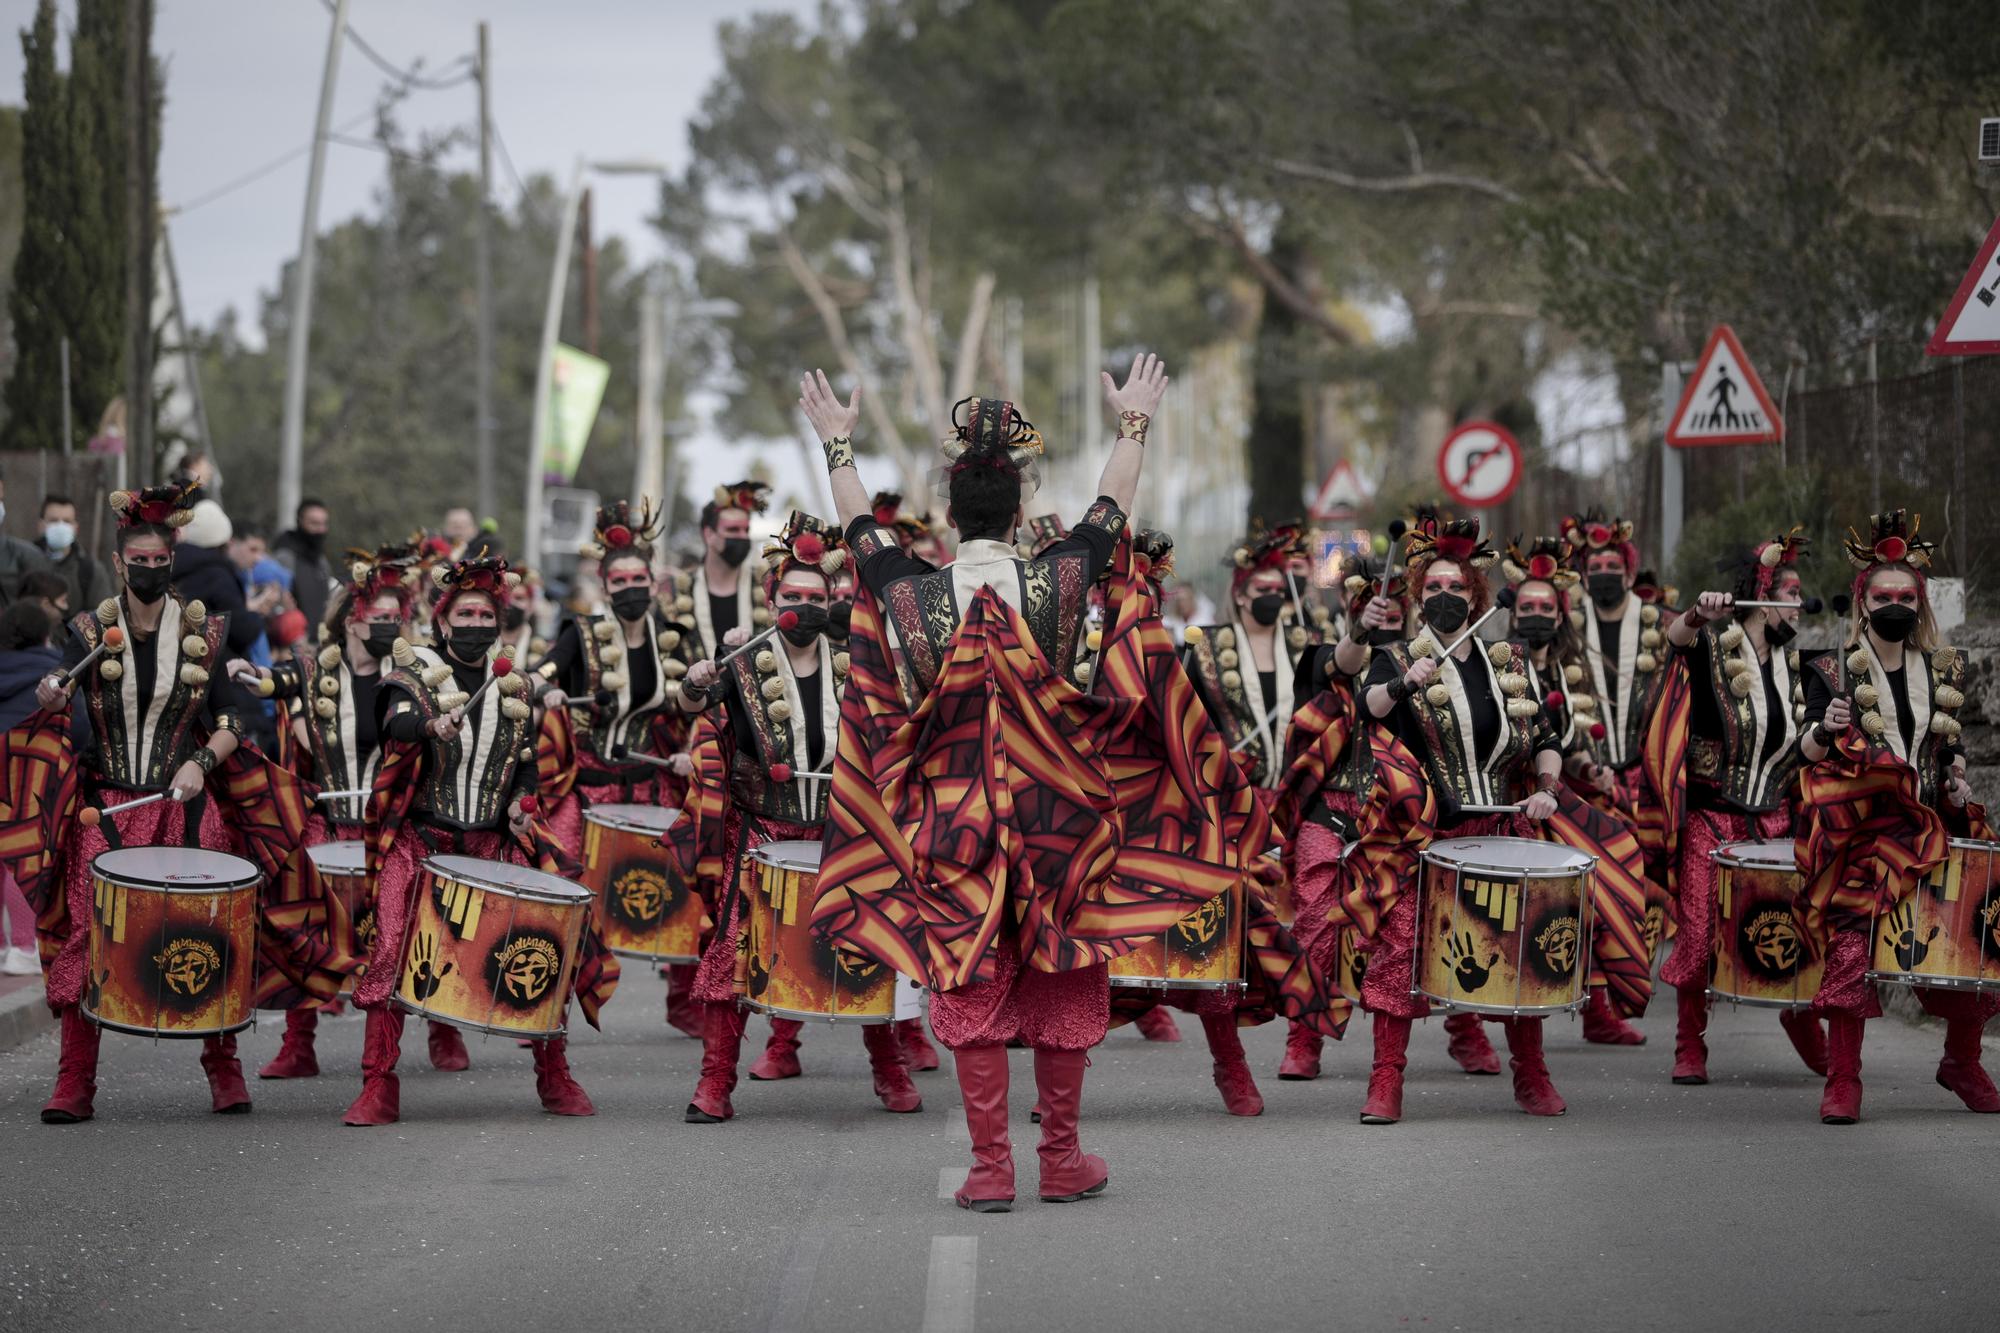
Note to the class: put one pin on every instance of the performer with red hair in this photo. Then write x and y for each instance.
(780, 717)
(458, 778)
(1884, 795)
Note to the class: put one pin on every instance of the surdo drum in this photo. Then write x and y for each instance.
(343, 868)
(1760, 953)
(173, 941)
(1947, 932)
(492, 946)
(1201, 951)
(1504, 925)
(643, 904)
(789, 972)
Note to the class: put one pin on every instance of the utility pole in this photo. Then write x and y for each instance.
(655, 338)
(139, 223)
(292, 442)
(589, 275)
(486, 495)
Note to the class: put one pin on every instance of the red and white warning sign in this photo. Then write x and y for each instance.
(1479, 464)
(1725, 402)
(1340, 497)
(1971, 323)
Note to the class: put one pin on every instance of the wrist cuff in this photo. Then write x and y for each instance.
(1132, 426)
(839, 452)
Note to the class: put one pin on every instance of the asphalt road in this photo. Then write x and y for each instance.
(1647, 1207)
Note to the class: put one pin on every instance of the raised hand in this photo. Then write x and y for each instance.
(424, 978)
(822, 406)
(1142, 391)
(1459, 956)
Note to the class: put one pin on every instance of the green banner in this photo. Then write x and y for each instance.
(576, 390)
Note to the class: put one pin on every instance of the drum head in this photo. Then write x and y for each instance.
(789, 856)
(174, 869)
(1508, 856)
(1771, 855)
(348, 857)
(632, 818)
(523, 881)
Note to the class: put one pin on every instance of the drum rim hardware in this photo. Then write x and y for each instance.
(340, 848)
(601, 815)
(1584, 873)
(769, 852)
(170, 883)
(543, 888)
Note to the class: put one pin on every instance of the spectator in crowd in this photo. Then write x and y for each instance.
(89, 581)
(25, 658)
(46, 589)
(303, 552)
(460, 528)
(202, 569)
(16, 556)
(1186, 606)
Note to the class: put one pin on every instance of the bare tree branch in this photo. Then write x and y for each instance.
(1230, 232)
(965, 365)
(1404, 184)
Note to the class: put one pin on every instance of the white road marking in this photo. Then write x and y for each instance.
(950, 1289)
(949, 1179)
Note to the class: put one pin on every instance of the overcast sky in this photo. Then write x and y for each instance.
(610, 78)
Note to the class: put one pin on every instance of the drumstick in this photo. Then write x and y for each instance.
(785, 620)
(1504, 600)
(1489, 809)
(91, 816)
(113, 638)
(348, 795)
(1396, 530)
(1811, 605)
(502, 667)
(1256, 734)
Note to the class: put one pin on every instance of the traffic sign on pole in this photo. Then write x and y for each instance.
(1971, 323)
(1340, 497)
(1479, 464)
(1724, 402)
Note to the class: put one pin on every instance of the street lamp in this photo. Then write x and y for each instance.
(531, 520)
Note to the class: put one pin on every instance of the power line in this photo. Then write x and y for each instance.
(409, 78)
(258, 173)
(528, 203)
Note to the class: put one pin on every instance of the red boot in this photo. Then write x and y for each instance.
(1808, 1037)
(781, 1053)
(1961, 1071)
(1068, 1173)
(683, 1013)
(381, 1093)
(1232, 1070)
(448, 1051)
(1468, 1045)
(917, 1048)
(227, 1094)
(295, 1058)
(1157, 1024)
(721, 1045)
(76, 1071)
(1301, 1062)
(892, 1070)
(1690, 1021)
(982, 1082)
(1841, 1103)
(1603, 1027)
(1385, 1085)
(560, 1094)
(1533, 1092)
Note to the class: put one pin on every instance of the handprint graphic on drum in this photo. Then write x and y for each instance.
(1901, 937)
(1464, 962)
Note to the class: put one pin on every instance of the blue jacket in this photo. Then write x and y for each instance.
(20, 672)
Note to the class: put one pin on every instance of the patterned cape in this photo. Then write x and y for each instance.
(1011, 801)
(1868, 841)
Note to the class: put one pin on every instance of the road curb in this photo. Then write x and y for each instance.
(24, 1015)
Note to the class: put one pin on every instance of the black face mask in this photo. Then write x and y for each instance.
(1606, 589)
(839, 618)
(1778, 633)
(1264, 610)
(1383, 635)
(1536, 631)
(813, 622)
(1446, 611)
(1893, 624)
(471, 643)
(631, 603)
(148, 583)
(312, 541)
(514, 617)
(381, 640)
(735, 550)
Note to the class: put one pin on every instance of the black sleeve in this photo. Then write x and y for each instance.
(1818, 695)
(1096, 535)
(1381, 671)
(287, 680)
(396, 716)
(567, 657)
(226, 699)
(881, 560)
(1696, 653)
(739, 717)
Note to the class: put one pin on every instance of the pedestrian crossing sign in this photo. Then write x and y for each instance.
(1971, 323)
(1724, 402)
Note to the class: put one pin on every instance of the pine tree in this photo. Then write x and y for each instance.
(95, 227)
(34, 391)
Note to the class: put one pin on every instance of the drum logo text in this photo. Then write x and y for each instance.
(523, 968)
(1201, 930)
(1771, 944)
(1557, 943)
(188, 966)
(640, 895)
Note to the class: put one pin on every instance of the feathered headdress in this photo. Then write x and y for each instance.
(619, 532)
(1044, 531)
(1892, 540)
(1757, 569)
(887, 510)
(752, 497)
(484, 574)
(805, 543)
(1263, 550)
(1544, 558)
(1434, 538)
(1649, 590)
(393, 569)
(1153, 556)
(990, 432)
(1595, 531)
(1361, 575)
(170, 506)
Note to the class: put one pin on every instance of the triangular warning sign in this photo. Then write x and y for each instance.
(1340, 496)
(1971, 323)
(1725, 402)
